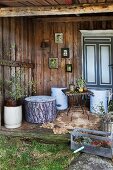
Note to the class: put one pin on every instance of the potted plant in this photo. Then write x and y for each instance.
(13, 106)
(110, 107)
(80, 84)
(15, 95)
(107, 121)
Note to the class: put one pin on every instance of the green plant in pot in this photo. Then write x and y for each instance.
(14, 92)
(110, 107)
(81, 83)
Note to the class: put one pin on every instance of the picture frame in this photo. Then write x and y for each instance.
(58, 37)
(53, 63)
(68, 67)
(65, 52)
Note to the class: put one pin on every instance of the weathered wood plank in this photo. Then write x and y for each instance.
(12, 41)
(21, 46)
(75, 52)
(11, 63)
(69, 44)
(79, 51)
(38, 58)
(54, 54)
(46, 55)
(61, 79)
(18, 50)
(6, 50)
(56, 10)
(1, 73)
(33, 54)
(30, 46)
(41, 135)
(25, 53)
(74, 19)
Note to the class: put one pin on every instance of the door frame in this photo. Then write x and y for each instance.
(90, 33)
(94, 33)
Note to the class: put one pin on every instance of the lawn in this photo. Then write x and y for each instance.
(24, 154)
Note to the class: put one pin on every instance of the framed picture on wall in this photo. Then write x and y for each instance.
(53, 63)
(58, 37)
(68, 67)
(65, 52)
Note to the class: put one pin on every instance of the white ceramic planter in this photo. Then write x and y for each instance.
(12, 116)
(61, 98)
(99, 99)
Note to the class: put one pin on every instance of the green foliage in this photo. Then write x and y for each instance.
(99, 109)
(110, 106)
(17, 153)
(32, 86)
(16, 91)
(80, 82)
(14, 88)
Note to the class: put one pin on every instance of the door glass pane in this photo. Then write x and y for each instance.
(104, 64)
(90, 64)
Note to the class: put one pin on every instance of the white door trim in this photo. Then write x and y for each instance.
(96, 32)
(93, 33)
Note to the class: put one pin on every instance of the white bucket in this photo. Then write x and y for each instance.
(98, 101)
(61, 98)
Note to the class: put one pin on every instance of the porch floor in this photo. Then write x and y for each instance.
(59, 130)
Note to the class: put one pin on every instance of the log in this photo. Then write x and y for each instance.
(41, 135)
(56, 10)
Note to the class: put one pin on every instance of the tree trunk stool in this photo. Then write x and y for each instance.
(40, 109)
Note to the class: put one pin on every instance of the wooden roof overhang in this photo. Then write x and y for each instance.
(13, 8)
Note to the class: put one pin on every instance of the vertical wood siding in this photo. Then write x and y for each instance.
(47, 77)
(27, 35)
(18, 32)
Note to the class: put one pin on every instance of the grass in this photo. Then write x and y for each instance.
(22, 154)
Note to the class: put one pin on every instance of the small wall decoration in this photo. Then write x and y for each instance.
(58, 37)
(53, 63)
(68, 67)
(65, 52)
(45, 44)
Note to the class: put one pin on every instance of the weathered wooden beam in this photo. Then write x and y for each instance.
(74, 19)
(56, 10)
(16, 64)
(42, 136)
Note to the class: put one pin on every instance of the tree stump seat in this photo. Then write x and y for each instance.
(40, 109)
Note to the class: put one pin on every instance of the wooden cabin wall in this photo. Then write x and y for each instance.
(16, 44)
(46, 77)
(27, 34)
